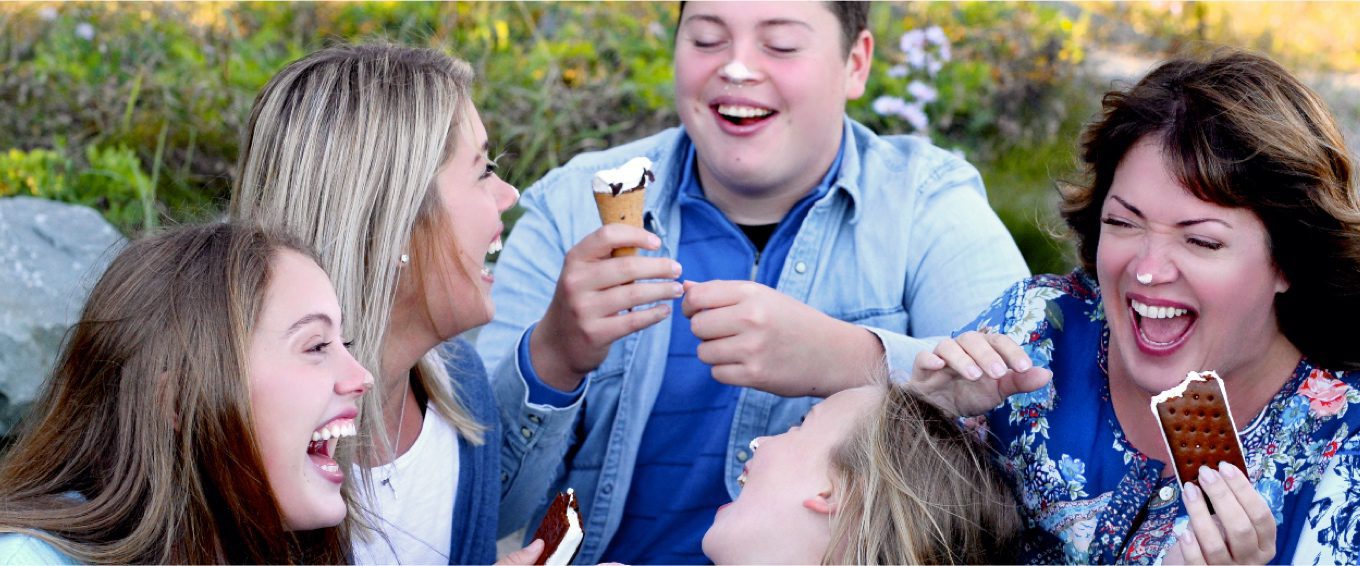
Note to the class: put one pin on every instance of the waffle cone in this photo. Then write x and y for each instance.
(626, 208)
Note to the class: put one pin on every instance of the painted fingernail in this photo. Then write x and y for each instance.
(974, 372)
(1189, 492)
(1207, 475)
(998, 369)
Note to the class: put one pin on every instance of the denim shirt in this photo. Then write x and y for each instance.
(904, 244)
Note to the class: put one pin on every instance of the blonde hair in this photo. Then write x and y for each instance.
(917, 489)
(342, 149)
(142, 447)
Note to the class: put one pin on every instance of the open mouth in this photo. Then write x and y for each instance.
(492, 252)
(742, 115)
(1161, 329)
(321, 449)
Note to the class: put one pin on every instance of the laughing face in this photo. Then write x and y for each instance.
(789, 478)
(304, 391)
(1188, 284)
(761, 88)
(473, 197)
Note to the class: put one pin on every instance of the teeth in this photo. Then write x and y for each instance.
(735, 111)
(1157, 312)
(486, 271)
(335, 430)
(741, 479)
(495, 246)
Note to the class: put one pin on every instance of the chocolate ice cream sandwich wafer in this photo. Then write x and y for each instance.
(1198, 426)
(561, 530)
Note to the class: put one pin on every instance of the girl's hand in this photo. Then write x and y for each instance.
(1242, 528)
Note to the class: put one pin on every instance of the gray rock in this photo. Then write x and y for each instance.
(51, 254)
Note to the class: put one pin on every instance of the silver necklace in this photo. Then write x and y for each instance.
(396, 447)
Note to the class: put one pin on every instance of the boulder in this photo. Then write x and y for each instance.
(51, 254)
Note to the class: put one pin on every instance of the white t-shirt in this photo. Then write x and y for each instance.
(414, 506)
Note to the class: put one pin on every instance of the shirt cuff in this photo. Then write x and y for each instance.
(541, 393)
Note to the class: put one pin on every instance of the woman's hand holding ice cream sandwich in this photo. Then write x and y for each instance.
(1241, 530)
(594, 303)
(755, 336)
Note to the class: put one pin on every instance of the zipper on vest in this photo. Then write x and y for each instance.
(755, 266)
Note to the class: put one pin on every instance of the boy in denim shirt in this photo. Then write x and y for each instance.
(814, 253)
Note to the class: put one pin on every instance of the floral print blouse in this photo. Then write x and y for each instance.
(1088, 496)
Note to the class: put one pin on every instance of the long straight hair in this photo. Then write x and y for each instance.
(918, 489)
(141, 447)
(341, 150)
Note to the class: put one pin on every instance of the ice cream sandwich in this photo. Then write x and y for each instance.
(561, 530)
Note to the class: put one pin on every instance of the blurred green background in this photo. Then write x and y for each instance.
(136, 108)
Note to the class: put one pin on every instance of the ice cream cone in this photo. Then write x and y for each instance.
(624, 208)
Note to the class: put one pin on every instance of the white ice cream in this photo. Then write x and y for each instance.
(736, 71)
(636, 172)
(572, 539)
(1179, 389)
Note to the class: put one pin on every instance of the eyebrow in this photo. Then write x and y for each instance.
(1181, 224)
(304, 321)
(486, 146)
(763, 23)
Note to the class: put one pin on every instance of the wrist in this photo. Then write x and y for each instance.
(552, 369)
(862, 358)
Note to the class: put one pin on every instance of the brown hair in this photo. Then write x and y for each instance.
(141, 447)
(917, 489)
(1239, 131)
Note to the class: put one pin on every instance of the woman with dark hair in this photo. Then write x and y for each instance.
(192, 414)
(1219, 230)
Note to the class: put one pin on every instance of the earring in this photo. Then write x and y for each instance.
(1145, 278)
(405, 259)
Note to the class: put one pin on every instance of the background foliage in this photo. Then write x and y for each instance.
(136, 108)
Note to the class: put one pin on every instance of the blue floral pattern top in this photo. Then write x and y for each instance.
(1088, 496)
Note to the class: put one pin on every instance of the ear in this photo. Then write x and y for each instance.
(824, 503)
(1281, 282)
(857, 65)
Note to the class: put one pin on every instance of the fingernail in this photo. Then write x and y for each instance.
(974, 372)
(1207, 475)
(654, 241)
(998, 369)
(1228, 470)
(1189, 492)
(677, 290)
(675, 268)
(1023, 365)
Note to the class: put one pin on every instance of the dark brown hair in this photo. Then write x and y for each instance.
(1240, 131)
(141, 447)
(918, 489)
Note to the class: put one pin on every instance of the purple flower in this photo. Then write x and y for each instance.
(916, 116)
(936, 35)
(85, 31)
(922, 92)
(889, 106)
(912, 40)
(897, 71)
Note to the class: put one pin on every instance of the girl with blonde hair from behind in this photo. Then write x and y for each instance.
(873, 475)
(178, 425)
(375, 155)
